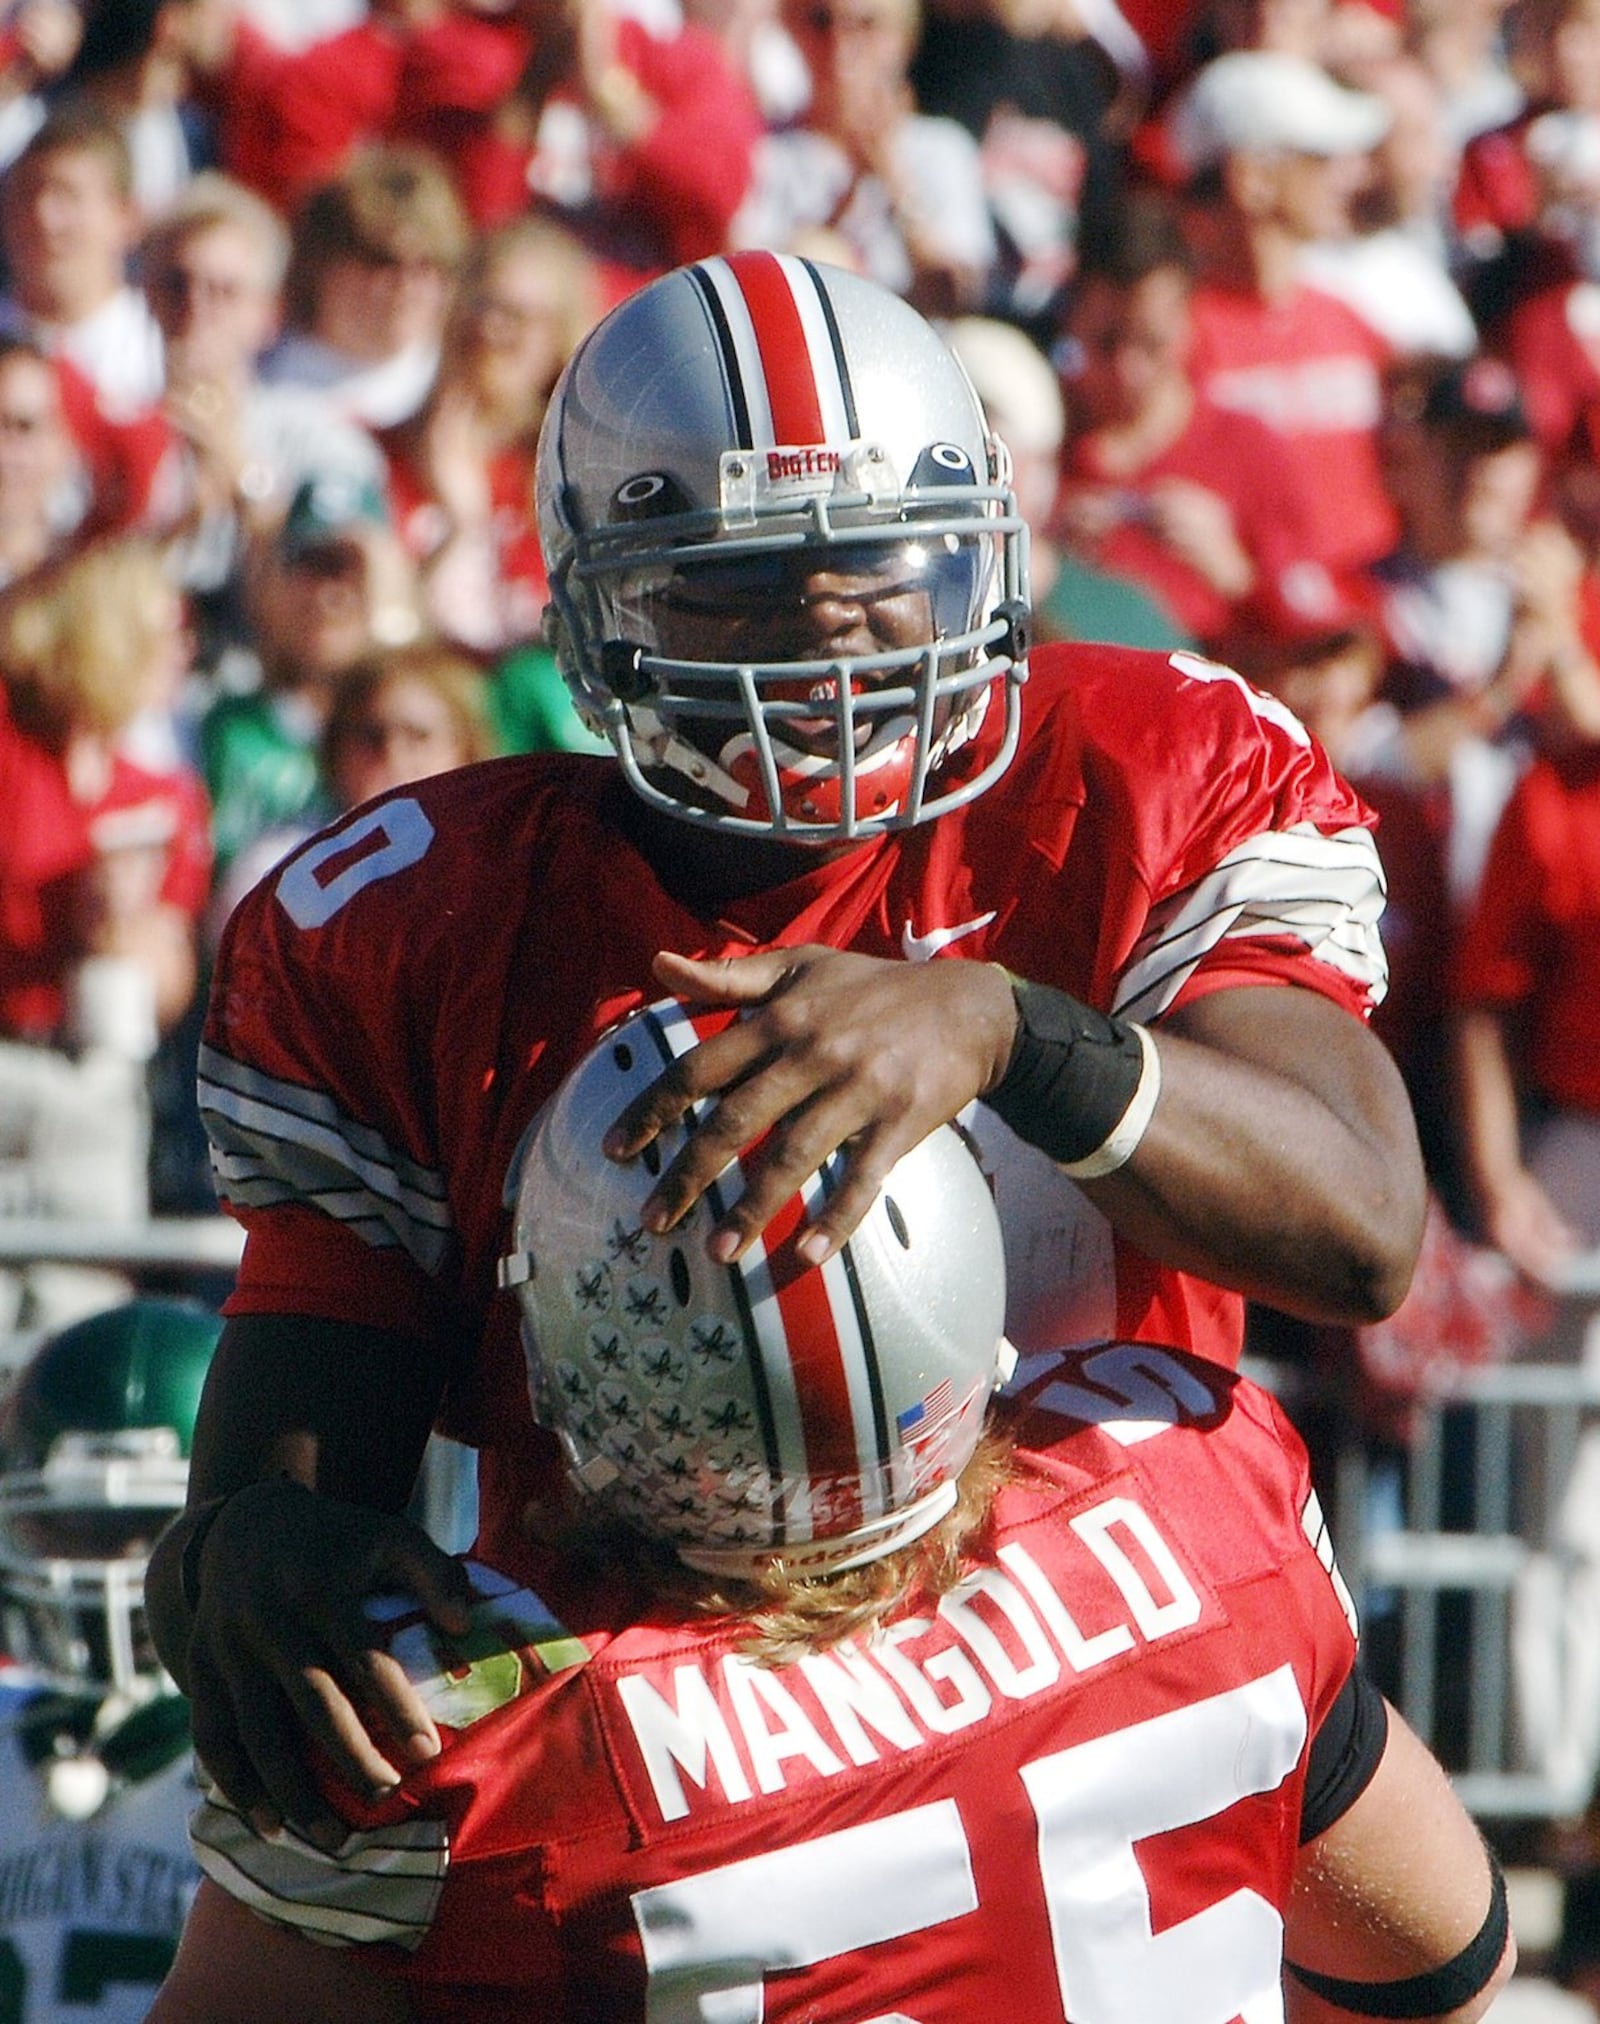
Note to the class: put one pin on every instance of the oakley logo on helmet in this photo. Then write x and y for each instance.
(649, 496)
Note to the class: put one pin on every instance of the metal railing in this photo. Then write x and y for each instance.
(1480, 1491)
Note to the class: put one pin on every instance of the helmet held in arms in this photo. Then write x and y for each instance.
(819, 1413)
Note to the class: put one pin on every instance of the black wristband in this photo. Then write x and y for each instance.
(1440, 1989)
(1072, 1075)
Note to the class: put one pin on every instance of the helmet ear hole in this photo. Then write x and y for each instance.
(622, 1055)
(678, 1273)
(897, 1222)
(651, 1157)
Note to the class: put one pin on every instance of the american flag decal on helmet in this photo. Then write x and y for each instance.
(782, 356)
(808, 1341)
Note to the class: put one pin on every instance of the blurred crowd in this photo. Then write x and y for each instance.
(1288, 310)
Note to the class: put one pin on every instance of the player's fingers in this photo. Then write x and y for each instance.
(787, 1160)
(411, 1563)
(716, 1064)
(218, 1745)
(276, 1744)
(724, 980)
(740, 1117)
(374, 1682)
(331, 1700)
(867, 1162)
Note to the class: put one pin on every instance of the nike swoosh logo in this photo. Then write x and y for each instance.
(920, 948)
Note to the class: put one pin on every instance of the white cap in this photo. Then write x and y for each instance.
(1261, 100)
(1013, 379)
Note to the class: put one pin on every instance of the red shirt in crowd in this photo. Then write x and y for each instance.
(49, 841)
(1532, 942)
(1248, 466)
(1313, 370)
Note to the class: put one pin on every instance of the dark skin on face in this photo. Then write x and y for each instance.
(1281, 1161)
(797, 614)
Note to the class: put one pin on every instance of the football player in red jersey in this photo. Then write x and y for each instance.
(1057, 1721)
(789, 583)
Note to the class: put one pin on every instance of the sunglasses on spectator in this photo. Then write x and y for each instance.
(327, 562)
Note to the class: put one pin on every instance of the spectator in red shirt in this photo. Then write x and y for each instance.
(104, 867)
(1272, 149)
(1526, 986)
(1478, 594)
(1203, 507)
(287, 119)
(44, 483)
(641, 133)
(1517, 239)
(69, 226)
(438, 73)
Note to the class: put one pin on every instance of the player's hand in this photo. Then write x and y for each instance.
(281, 1650)
(834, 1050)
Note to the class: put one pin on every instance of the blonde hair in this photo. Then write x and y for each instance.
(210, 202)
(566, 259)
(787, 1615)
(77, 637)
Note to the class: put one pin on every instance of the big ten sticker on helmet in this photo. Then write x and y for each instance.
(512, 1642)
(814, 461)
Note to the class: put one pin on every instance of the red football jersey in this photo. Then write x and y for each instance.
(1071, 1789)
(392, 1007)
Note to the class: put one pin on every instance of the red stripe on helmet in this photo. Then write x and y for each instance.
(816, 1356)
(781, 339)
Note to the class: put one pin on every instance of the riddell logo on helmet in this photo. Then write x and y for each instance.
(811, 461)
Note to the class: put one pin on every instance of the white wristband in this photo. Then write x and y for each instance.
(1118, 1148)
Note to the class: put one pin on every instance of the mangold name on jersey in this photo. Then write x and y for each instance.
(726, 1730)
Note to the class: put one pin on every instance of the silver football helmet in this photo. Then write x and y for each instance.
(821, 1413)
(724, 438)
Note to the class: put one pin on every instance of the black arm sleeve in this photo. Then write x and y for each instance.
(1344, 1754)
